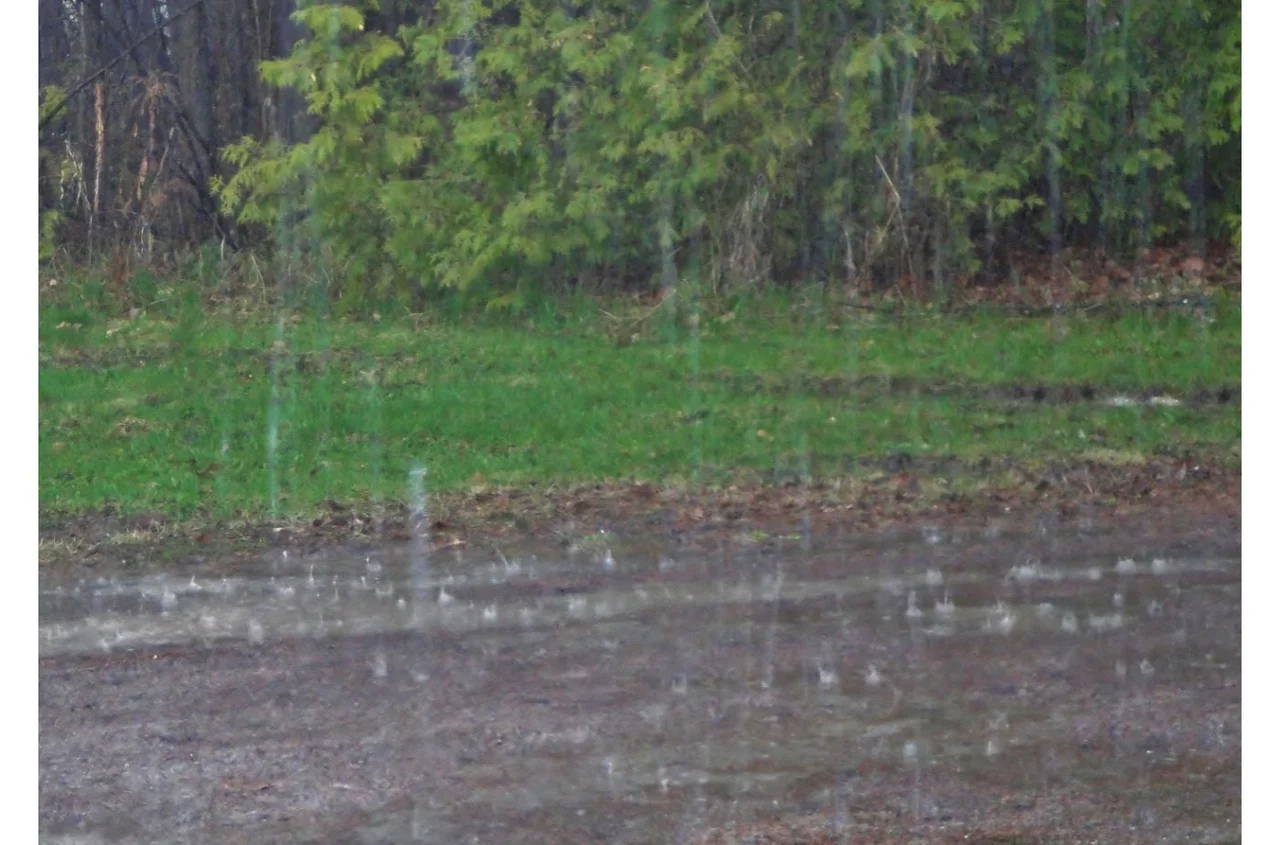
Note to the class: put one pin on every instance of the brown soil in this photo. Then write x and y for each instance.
(892, 490)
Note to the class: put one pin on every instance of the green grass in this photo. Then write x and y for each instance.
(174, 415)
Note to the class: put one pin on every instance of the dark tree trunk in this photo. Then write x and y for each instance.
(290, 121)
(54, 49)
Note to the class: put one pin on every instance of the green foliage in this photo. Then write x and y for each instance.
(549, 144)
(51, 101)
(49, 221)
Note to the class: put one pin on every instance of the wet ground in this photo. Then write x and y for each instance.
(1040, 679)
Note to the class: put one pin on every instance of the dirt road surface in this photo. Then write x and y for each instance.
(1044, 680)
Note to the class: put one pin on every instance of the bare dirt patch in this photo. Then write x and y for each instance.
(886, 491)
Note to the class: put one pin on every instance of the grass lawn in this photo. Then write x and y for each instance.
(206, 416)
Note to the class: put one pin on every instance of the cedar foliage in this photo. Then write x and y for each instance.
(500, 147)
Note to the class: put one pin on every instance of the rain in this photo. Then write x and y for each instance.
(676, 422)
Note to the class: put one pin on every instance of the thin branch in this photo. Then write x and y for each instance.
(717, 33)
(897, 210)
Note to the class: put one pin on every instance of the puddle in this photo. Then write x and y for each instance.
(921, 682)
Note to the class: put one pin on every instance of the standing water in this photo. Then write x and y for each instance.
(537, 697)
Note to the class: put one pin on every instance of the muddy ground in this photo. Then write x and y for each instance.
(707, 670)
(849, 493)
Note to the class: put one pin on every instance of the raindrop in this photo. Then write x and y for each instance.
(945, 609)
(666, 564)
(1160, 566)
(933, 578)
(1126, 566)
(444, 598)
(607, 562)
(1146, 668)
(1117, 601)
(255, 632)
(1122, 671)
(491, 613)
(873, 676)
(826, 677)
(608, 769)
(1069, 623)
(379, 665)
(910, 752)
(1095, 573)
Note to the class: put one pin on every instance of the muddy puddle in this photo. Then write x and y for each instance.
(1042, 682)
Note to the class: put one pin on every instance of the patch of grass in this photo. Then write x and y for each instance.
(227, 416)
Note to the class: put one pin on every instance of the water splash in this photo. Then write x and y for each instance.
(1001, 619)
(913, 609)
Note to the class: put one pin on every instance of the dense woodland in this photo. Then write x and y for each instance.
(409, 147)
